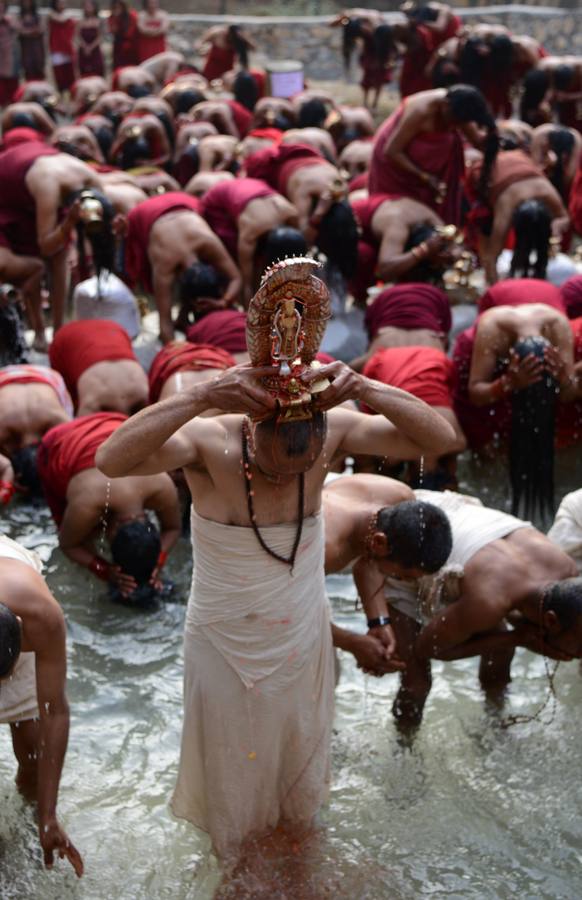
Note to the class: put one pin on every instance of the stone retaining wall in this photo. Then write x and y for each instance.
(310, 40)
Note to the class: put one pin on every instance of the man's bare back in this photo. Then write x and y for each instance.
(27, 411)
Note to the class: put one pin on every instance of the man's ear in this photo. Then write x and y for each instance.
(551, 622)
(380, 546)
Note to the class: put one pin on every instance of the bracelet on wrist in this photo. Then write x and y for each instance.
(7, 491)
(99, 567)
(499, 388)
(162, 559)
(379, 622)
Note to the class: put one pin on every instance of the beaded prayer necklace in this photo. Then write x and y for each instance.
(288, 561)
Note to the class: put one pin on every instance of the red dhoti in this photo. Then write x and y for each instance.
(79, 345)
(27, 374)
(521, 291)
(409, 306)
(68, 449)
(439, 153)
(17, 205)
(276, 164)
(225, 328)
(140, 221)
(364, 210)
(182, 356)
(425, 372)
(218, 61)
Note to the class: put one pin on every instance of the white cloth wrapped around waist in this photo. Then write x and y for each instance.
(18, 692)
(257, 613)
(566, 531)
(473, 526)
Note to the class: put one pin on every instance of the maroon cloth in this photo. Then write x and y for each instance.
(20, 136)
(276, 164)
(375, 73)
(8, 87)
(324, 358)
(64, 76)
(125, 38)
(364, 210)
(68, 449)
(218, 61)
(226, 328)
(222, 205)
(360, 181)
(409, 306)
(17, 205)
(242, 116)
(413, 77)
(571, 292)
(575, 202)
(183, 356)
(425, 372)
(140, 221)
(79, 345)
(521, 291)
(569, 415)
(440, 153)
(90, 63)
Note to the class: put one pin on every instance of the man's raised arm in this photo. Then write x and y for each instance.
(148, 443)
(406, 428)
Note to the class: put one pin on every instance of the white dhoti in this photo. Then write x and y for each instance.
(18, 692)
(258, 683)
(566, 531)
(473, 526)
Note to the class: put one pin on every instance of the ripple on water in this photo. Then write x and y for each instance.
(472, 811)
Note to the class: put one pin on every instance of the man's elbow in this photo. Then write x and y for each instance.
(107, 463)
(443, 440)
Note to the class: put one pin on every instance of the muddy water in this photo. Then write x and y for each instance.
(473, 811)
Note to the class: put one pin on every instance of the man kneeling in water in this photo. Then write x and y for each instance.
(87, 506)
(500, 567)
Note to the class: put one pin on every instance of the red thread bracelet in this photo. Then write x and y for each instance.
(99, 567)
(7, 491)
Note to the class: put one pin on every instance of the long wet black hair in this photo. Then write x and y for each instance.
(561, 141)
(383, 42)
(352, 30)
(532, 223)
(338, 238)
(467, 104)
(13, 348)
(239, 45)
(101, 240)
(531, 445)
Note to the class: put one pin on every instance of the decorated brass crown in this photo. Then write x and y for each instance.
(286, 320)
(91, 213)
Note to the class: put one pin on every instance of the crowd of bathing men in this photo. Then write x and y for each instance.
(187, 192)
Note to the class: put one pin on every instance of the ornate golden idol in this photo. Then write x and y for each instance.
(286, 320)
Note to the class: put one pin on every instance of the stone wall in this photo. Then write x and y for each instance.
(310, 40)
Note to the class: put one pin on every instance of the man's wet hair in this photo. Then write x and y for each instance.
(104, 136)
(562, 142)
(472, 61)
(337, 237)
(383, 42)
(419, 535)
(136, 549)
(421, 13)
(563, 77)
(135, 152)
(188, 98)
(139, 90)
(535, 87)
(564, 598)
(201, 280)
(502, 53)
(280, 243)
(10, 640)
(423, 270)
(295, 438)
(13, 346)
(532, 224)
(467, 104)
(245, 90)
(101, 240)
(531, 442)
(446, 73)
(25, 464)
(312, 114)
(23, 120)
